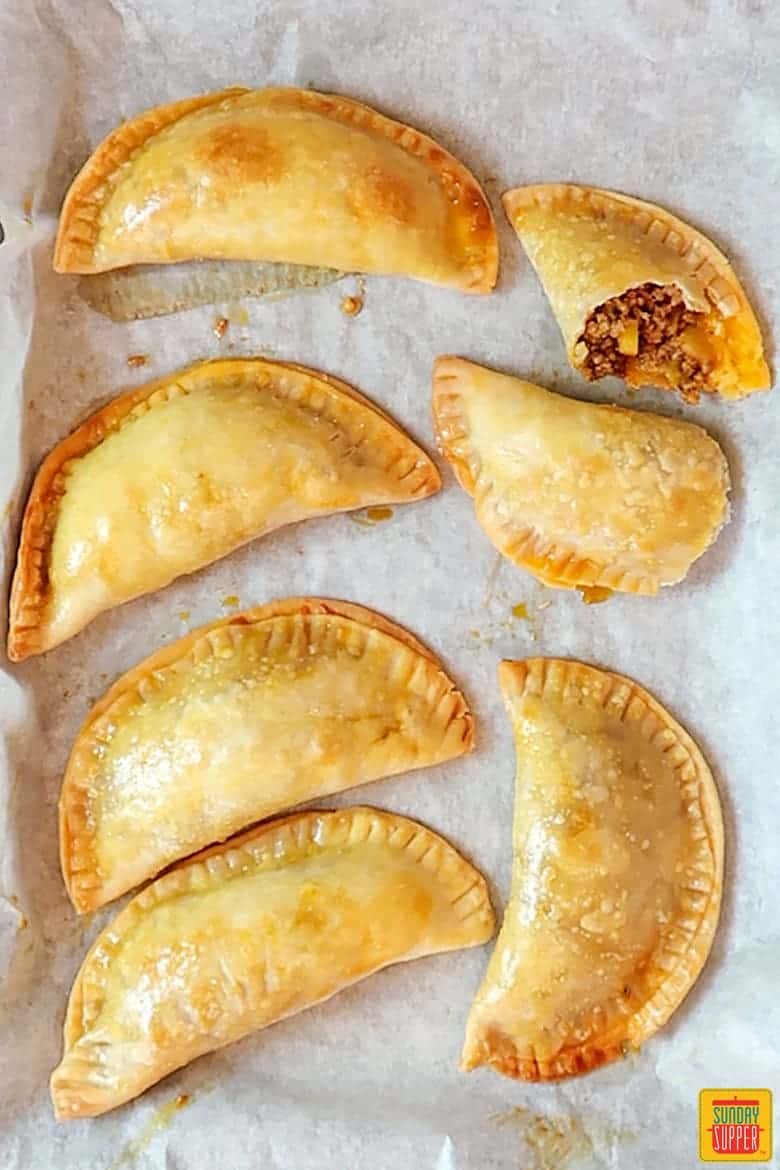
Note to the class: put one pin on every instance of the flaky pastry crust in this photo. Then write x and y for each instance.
(284, 175)
(580, 494)
(589, 246)
(617, 875)
(179, 472)
(252, 932)
(241, 719)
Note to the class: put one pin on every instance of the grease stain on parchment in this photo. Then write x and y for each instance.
(368, 517)
(159, 1121)
(492, 580)
(560, 1141)
(238, 313)
(519, 611)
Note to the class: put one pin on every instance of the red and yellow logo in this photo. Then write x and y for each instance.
(735, 1125)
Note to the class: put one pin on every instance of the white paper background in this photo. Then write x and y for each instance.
(676, 101)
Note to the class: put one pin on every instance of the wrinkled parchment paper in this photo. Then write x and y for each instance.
(677, 101)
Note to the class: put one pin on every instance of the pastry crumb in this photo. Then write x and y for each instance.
(230, 602)
(220, 327)
(137, 359)
(184, 615)
(351, 306)
(593, 594)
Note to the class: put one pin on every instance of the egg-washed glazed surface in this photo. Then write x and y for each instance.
(242, 719)
(255, 931)
(639, 293)
(284, 175)
(171, 476)
(617, 875)
(580, 495)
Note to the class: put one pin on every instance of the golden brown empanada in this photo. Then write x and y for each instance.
(639, 293)
(183, 470)
(580, 494)
(255, 931)
(617, 875)
(283, 175)
(241, 719)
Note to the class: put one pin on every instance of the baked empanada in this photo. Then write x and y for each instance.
(241, 719)
(617, 875)
(580, 494)
(255, 931)
(183, 470)
(283, 175)
(639, 293)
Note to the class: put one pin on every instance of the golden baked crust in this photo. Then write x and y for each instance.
(181, 471)
(617, 875)
(241, 719)
(254, 931)
(589, 246)
(284, 175)
(575, 493)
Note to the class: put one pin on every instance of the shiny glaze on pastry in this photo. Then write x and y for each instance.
(580, 494)
(616, 881)
(242, 719)
(286, 175)
(638, 292)
(252, 932)
(181, 471)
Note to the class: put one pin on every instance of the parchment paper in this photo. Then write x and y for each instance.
(677, 101)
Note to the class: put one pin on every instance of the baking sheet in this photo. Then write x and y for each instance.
(677, 101)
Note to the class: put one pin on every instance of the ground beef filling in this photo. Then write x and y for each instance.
(642, 330)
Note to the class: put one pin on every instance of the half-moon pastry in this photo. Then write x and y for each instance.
(181, 471)
(639, 293)
(285, 175)
(616, 881)
(242, 719)
(255, 931)
(576, 493)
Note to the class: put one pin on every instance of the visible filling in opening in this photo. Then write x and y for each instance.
(648, 332)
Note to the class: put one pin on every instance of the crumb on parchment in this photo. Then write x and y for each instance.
(351, 306)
